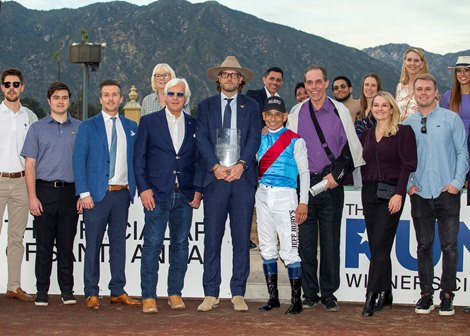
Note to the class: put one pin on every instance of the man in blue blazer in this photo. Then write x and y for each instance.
(165, 163)
(272, 80)
(104, 180)
(228, 190)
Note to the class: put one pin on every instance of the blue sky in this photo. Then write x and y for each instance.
(439, 26)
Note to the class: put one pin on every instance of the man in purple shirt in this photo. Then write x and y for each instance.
(329, 159)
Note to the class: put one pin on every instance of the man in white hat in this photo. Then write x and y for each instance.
(229, 184)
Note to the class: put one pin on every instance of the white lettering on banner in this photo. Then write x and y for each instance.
(353, 270)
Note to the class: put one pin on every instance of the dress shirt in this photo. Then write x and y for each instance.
(120, 172)
(176, 128)
(442, 152)
(233, 105)
(269, 94)
(13, 130)
(332, 129)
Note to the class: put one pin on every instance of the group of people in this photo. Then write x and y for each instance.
(243, 152)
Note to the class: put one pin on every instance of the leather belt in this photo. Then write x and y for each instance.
(13, 175)
(117, 187)
(316, 176)
(55, 184)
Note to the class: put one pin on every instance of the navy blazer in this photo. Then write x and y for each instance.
(260, 97)
(156, 162)
(91, 157)
(209, 119)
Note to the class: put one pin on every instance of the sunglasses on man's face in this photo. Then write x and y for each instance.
(178, 94)
(8, 84)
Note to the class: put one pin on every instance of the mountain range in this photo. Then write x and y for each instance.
(189, 37)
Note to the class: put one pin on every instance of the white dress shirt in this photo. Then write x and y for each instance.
(120, 171)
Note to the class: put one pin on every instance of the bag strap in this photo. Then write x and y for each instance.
(321, 137)
(374, 145)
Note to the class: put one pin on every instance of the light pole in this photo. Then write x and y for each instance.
(89, 55)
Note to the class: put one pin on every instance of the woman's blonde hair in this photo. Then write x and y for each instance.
(404, 77)
(392, 127)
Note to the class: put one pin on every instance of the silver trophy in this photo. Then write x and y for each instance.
(227, 147)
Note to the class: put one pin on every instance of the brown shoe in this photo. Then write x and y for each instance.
(149, 306)
(20, 295)
(93, 303)
(125, 300)
(176, 302)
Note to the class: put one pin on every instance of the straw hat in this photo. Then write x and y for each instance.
(462, 62)
(230, 63)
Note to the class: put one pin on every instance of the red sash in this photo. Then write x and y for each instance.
(274, 151)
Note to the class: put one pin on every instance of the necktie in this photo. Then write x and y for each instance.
(227, 122)
(112, 149)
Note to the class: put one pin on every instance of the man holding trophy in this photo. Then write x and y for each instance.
(228, 137)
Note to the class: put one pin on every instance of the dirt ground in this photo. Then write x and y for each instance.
(19, 318)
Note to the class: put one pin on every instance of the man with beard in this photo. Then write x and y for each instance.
(342, 91)
(434, 191)
(15, 121)
(228, 185)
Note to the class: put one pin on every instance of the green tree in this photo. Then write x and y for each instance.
(33, 105)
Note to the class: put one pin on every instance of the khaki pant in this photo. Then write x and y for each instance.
(13, 193)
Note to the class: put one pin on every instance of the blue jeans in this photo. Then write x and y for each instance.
(178, 214)
(446, 210)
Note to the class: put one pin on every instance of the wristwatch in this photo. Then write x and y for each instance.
(243, 163)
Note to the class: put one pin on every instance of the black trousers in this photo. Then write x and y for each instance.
(381, 229)
(58, 223)
(323, 221)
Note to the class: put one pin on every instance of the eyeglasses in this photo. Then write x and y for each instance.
(424, 129)
(162, 76)
(342, 86)
(8, 84)
(234, 75)
(172, 94)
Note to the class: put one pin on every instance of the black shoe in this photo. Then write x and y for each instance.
(385, 299)
(369, 305)
(424, 305)
(252, 245)
(68, 298)
(310, 302)
(42, 299)
(331, 304)
(447, 307)
(466, 309)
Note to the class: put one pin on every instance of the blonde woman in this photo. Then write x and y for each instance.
(162, 73)
(390, 155)
(414, 64)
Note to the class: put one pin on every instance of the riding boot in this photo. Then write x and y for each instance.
(270, 272)
(296, 289)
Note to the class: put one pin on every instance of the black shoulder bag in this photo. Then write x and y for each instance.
(341, 166)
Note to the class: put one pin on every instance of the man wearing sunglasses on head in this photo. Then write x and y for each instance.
(165, 164)
(15, 121)
(434, 191)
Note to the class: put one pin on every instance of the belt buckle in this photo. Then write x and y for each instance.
(59, 184)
